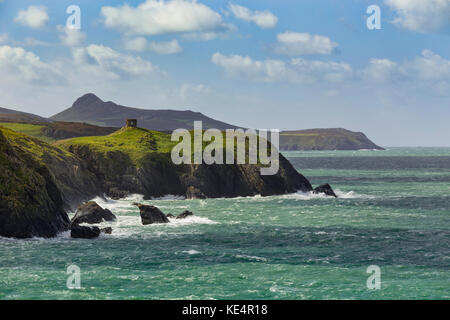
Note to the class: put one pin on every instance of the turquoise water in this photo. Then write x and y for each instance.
(393, 212)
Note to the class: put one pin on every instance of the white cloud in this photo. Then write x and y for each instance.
(16, 62)
(263, 19)
(141, 44)
(380, 70)
(71, 37)
(161, 17)
(420, 15)
(294, 43)
(293, 71)
(33, 17)
(429, 68)
(105, 62)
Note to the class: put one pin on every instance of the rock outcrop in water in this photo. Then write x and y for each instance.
(92, 213)
(325, 189)
(82, 232)
(184, 214)
(151, 215)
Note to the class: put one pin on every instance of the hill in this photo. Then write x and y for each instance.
(91, 109)
(8, 115)
(53, 131)
(325, 139)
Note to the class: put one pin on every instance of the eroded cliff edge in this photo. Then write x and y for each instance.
(39, 182)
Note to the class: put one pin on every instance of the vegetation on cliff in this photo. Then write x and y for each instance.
(134, 160)
(30, 201)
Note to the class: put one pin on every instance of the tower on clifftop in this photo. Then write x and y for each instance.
(131, 123)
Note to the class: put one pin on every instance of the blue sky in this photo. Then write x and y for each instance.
(255, 63)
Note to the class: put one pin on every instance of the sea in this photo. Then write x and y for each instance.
(387, 236)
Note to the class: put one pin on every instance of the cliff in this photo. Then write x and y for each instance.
(30, 201)
(135, 160)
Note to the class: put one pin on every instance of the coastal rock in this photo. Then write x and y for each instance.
(169, 215)
(84, 232)
(107, 230)
(91, 213)
(326, 189)
(194, 193)
(30, 203)
(185, 214)
(151, 215)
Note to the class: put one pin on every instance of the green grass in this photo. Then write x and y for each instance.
(138, 144)
(34, 146)
(135, 142)
(32, 130)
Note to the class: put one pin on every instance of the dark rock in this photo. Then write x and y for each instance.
(91, 212)
(151, 214)
(84, 232)
(326, 189)
(185, 214)
(107, 230)
(194, 193)
(169, 215)
(117, 194)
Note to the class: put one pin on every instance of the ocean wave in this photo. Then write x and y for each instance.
(250, 258)
(341, 195)
(169, 197)
(191, 252)
(190, 220)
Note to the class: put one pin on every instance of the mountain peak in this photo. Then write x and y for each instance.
(87, 99)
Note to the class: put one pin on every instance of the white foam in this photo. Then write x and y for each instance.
(191, 252)
(169, 197)
(190, 220)
(255, 258)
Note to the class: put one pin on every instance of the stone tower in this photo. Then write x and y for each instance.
(131, 123)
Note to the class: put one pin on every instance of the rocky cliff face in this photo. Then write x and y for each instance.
(155, 175)
(30, 202)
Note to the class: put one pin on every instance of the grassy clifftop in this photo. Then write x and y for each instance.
(136, 143)
(52, 131)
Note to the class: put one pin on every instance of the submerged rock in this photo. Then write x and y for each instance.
(326, 189)
(107, 230)
(185, 214)
(91, 212)
(151, 214)
(84, 232)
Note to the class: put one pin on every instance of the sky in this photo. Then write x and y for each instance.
(254, 63)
